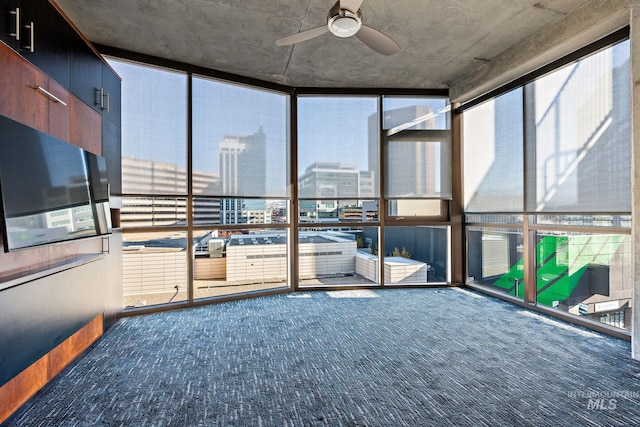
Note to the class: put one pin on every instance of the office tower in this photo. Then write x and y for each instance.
(242, 166)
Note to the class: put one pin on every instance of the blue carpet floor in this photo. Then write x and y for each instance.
(401, 357)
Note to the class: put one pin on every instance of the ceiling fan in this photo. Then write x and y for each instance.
(345, 20)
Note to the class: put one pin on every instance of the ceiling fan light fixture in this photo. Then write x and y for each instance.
(345, 20)
(345, 23)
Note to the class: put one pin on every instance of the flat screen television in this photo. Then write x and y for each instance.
(51, 190)
(99, 190)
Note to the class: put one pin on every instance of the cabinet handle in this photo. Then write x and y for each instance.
(30, 47)
(50, 95)
(103, 95)
(17, 14)
(100, 98)
(108, 102)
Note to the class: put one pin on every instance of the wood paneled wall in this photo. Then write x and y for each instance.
(18, 390)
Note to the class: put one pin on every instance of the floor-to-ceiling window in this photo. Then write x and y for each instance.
(417, 189)
(240, 188)
(547, 189)
(494, 193)
(338, 189)
(154, 184)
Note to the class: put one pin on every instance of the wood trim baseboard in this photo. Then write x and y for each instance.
(23, 386)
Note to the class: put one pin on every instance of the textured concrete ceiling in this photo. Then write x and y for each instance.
(440, 40)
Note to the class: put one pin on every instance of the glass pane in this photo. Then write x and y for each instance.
(495, 259)
(582, 135)
(154, 268)
(153, 212)
(586, 274)
(494, 218)
(338, 147)
(231, 261)
(415, 207)
(240, 140)
(418, 169)
(49, 227)
(335, 180)
(415, 255)
(402, 113)
(493, 155)
(154, 129)
(337, 256)
(615, 221)
(140, 176)
(338, 211)
(219, 211)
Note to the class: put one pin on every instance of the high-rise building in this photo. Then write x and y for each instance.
(242, 165)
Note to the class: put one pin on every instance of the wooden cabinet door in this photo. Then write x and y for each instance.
(111, 88)
(46, 45)
(21, 100)
(9, 23)
(59, 111)
(86, 72)
(85, 126)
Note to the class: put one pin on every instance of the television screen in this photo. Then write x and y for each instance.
(46, 188)
(99, 186)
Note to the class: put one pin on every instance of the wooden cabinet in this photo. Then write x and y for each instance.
(36, 30)
(93, 81)
(40, 102)
(68, 71)
(86, 73)
(111, 88)
(85, 127)
(21, 101)
(59, 111)
(44, 39)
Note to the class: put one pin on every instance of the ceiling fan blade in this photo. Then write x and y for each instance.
(303, 36)
(377, 41)
(352, 5)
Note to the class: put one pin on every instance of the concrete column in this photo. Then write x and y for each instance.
(635, 165)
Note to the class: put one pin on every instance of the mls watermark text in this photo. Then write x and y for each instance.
(607, 400)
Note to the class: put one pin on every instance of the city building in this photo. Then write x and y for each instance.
(241, 163)
(334, 180)
(157, 178)
(415, 117)
(242, 169)
(325, 185)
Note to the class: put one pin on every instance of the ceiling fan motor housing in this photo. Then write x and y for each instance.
(343, 22)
